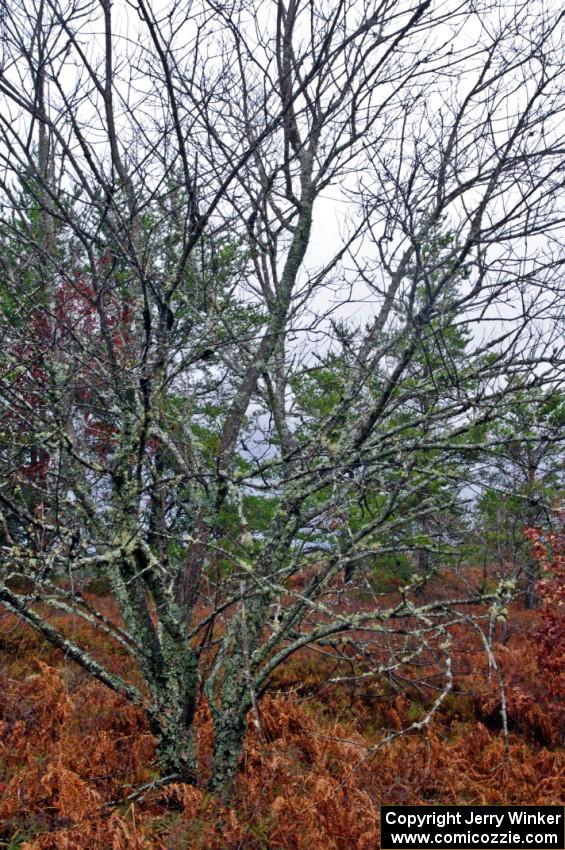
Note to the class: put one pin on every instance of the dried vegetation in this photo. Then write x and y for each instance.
(71, 752)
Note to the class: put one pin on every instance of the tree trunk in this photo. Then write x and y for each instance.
(424, 563)
(531, 571)
(229, 734)
(172, 719)
(176, 749)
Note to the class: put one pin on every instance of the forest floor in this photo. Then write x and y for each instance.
(311, 777)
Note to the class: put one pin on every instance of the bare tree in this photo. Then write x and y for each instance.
(168, 291)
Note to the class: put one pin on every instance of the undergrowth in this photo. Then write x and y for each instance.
(312, 776)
